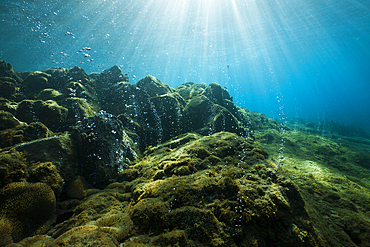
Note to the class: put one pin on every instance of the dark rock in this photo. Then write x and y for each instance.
(8, 88)
(197, 112)
(77, 89)
(110, 77)
(58, 77)
(35, 82)
(104, 149)
(6, 70)
(77, 74)
(258, 121)
(7, 105)
(214, 93)
(53, 149)
(7, 120)
(168, 116)
(223, 120)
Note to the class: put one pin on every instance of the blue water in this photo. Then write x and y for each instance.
(301, 58)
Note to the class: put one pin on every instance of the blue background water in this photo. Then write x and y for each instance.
(306, 58)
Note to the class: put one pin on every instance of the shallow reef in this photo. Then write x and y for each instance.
(94, 160)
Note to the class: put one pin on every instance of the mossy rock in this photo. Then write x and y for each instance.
(8, 106)
(50, 94)
(27, 209)
(6, 70)
(23, 133)
(35, 82)
(153, 87)
(13, 167)
(88, 235)
(214, 92)
(8, 121)
(78, 109)
(8, 88)
(76, 89)
(110, 77)
(48, 112)
(197, 113)
(79, 75)
(190, 89)
(47, 173)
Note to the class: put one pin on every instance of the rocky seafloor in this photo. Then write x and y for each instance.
(93, 160)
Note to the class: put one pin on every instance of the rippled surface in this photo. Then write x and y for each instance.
(308, 58)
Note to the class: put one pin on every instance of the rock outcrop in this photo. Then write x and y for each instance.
(96, 160)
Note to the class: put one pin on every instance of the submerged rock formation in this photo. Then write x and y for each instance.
(121, 164)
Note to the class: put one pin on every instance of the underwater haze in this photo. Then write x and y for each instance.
(286, 59)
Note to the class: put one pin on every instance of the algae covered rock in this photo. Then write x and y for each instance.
(86, 235)
(110, 77)
(7, 105)
(21, 132)
(13, 167)
(8, 121)
(35, 82)
(57, 148)
(26, 209)
(202, 179)
(196, 191)
(216, 94)
(103, 148)
(78, 109)
(6, 70)
(153, 87)
(50, 94)
(156, 113)
(48, 112)
(9, 88)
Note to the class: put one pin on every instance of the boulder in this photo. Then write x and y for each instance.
(103, 148)
(13, 167)
(153, 87)
(6, 70)
(197, 113)
(48, 112)
(78, 109)
(8, 121)
(7, 105)
(77, 74)
(110, 77)
(52, 149)
(9, 88)
(214, 92)
(190, 89)
(50, 94)
(23, 133)
(35, 82)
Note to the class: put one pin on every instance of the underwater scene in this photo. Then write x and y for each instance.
(184, 123)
